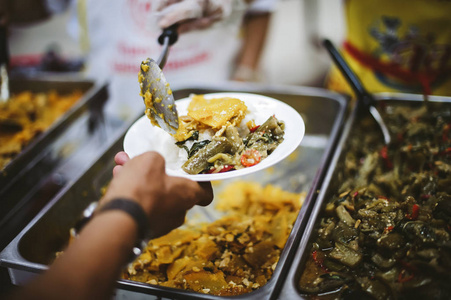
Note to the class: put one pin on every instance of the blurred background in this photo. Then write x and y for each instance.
(291, 54)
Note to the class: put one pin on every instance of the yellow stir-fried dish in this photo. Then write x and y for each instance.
(26, 115)
(233, 255)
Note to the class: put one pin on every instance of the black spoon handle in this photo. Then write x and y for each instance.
(351, 77)
(171, 33)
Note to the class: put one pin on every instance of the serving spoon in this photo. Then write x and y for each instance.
(155, 90)
(364, 98)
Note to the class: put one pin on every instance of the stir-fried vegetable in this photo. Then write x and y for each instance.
(385, 233)
(229, 151)
(199, 161)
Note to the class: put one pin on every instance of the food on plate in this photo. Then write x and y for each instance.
(385, 232)
(26, 115)
(220, 135)
(233, 255)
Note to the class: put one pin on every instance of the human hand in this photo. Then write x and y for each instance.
(120, 159)
(165, 199)
(192, 14)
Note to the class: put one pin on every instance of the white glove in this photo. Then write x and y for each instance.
(192, 14)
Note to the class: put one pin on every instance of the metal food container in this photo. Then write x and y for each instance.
(323, 112)
(92, 95)
(330, 186)
(28, 172)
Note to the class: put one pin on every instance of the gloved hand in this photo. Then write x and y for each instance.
(192, 14)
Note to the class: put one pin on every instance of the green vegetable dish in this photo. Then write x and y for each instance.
(216, 139)
(385, 231)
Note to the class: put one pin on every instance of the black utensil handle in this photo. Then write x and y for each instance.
(170, 32)
(4, 51)
(352, 78)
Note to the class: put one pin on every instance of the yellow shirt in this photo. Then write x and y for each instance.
(398, 46)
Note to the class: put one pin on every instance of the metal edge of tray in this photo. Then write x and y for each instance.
(290, 288)
(304, 214)
(93, 97)
(11, 258)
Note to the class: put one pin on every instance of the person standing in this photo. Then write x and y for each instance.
(218, 41)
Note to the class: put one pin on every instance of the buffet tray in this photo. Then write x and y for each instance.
(93, 97)
(28, 173)
(331, 182)
(323, 112)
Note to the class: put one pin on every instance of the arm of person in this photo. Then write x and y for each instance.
(90, 265)
(255, 29)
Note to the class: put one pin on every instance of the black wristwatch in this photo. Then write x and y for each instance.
(130, 207)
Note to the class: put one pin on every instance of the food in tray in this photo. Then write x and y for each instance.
(26, 115)
(385, 233)
(220, 135)
(233, 255)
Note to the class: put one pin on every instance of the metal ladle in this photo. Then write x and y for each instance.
(152, 80)
(364, 99)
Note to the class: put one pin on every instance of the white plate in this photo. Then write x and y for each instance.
(142, 136)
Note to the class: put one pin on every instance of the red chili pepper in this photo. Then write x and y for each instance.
(355, 194)
(407, 272)
(315, 255)
(445, 132)
(254, 128)
(225, 168)
(384, 155)
(403, 278)
(318, 261)
(388, 229)
(250, 157)
(447, 151)
(415, 212)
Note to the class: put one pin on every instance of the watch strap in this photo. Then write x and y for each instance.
(133, 209)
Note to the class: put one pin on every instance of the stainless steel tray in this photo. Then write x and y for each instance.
(32, 250)
(93, 96)
(290, 288)
(27, 175)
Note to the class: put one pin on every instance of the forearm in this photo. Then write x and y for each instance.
(89, 268)
(256, 28)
